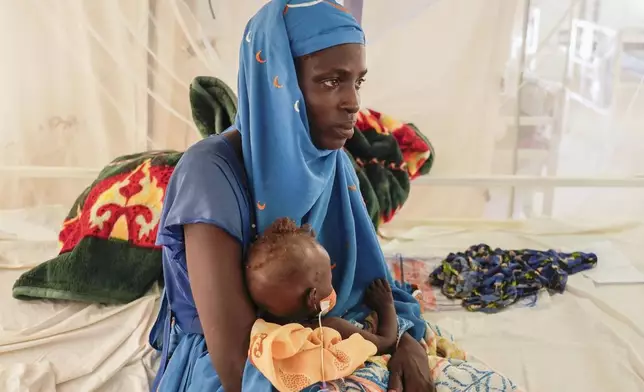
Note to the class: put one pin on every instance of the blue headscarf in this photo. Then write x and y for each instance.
(289, 176)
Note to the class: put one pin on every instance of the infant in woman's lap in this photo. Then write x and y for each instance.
(288, 275)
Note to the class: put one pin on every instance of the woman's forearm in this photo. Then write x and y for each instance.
(228, 340)
(225, 310)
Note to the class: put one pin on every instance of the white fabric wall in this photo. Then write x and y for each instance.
(442, 70)
(78, 90)
(71, 92)
(86, 81)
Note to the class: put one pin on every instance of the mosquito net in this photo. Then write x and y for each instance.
(506, 91)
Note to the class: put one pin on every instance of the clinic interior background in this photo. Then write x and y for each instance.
(535, 107)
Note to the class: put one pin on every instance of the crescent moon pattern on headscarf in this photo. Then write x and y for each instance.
(258, 57)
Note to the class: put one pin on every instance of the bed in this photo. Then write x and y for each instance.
(49, 346)
(589, 339)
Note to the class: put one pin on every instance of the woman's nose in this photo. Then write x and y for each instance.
(351, 101)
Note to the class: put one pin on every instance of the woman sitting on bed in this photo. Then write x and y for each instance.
(301, 67)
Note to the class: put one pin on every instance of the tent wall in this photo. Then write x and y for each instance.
(448, 87)
(68, 95)
(89, 81)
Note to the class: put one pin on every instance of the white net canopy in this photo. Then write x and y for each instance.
(87, 81)
(535, 109)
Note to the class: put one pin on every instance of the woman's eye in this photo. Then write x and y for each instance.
(332, 83)
(359, 82)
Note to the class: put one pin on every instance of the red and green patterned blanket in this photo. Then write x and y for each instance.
(108, 252)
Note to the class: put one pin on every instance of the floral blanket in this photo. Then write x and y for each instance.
(450, 368)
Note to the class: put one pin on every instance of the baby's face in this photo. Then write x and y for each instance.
(299, 298)
(322, 287)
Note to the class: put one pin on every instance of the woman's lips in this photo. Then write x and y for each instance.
(345, 131)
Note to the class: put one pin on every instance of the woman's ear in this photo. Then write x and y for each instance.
(312, 301)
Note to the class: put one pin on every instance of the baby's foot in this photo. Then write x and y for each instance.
(378, 295)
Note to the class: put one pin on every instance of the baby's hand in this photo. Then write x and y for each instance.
(378, 295)
(379, 298)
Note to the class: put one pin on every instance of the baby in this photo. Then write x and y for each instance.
(288, 275)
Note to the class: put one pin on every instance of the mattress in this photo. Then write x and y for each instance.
(48, 346)
(590, 338)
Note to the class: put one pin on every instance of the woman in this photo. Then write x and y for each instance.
(301, 67)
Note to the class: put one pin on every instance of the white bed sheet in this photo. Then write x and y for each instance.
(48, 346)
(591, 338)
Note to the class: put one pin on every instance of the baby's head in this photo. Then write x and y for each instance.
(288, 272)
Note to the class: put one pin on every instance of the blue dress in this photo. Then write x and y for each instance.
(207, 186)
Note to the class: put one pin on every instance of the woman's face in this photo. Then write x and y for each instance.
(330, 81)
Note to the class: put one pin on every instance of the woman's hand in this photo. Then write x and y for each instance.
(409, 368)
